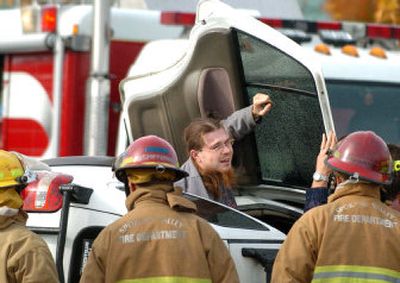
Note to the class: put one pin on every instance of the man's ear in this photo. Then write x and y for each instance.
(339, 179)
(132, 187)
(194, 154)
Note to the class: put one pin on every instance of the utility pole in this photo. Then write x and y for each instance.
(98, 84)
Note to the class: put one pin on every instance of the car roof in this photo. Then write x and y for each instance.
(81, 160)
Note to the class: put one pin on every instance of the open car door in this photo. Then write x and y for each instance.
(228, 58)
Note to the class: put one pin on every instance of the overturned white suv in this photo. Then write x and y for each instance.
(227, 59)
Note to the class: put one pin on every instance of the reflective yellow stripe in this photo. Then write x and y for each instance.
(358, 268)
(17, 172)
(354, 274)
(166, 279)
(344, 279)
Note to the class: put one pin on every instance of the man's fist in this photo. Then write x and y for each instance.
(262, 104)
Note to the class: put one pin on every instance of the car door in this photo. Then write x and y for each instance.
(252, 244)
(228, 58)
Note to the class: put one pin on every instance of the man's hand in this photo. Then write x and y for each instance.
(262, 104)
(327, 144)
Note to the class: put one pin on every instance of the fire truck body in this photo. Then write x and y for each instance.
(29, 75)
(363, 90)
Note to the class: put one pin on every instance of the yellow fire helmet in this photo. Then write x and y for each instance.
(11, 170)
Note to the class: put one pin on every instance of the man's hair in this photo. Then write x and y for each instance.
(193, 133)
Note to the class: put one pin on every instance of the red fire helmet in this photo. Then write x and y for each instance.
(365, 155)
(148, 152)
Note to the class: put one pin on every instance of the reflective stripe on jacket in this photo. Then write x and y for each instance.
(353, 238)
(159, 240)
(24, 256)
(354, 273)
(165, 280)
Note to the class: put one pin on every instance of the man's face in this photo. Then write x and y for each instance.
(216, 154)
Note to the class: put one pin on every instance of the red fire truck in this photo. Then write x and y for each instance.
(45, 66)
(45, 63)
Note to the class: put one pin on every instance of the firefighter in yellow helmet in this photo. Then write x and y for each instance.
(24, 256)
(160, 239)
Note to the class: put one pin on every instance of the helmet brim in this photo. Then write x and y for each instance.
(9, 184)
(120, 173)
(364, 174)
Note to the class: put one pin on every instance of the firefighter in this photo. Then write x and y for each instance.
(160, 239)
(319, 191)
(354, 237)
(24, 256)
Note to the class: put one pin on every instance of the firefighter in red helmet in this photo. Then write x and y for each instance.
(24, 256)
(363, 156)
(160, 238)
(148, 158)
(354, 237)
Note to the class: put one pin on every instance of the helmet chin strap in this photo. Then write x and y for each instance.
(8, 211)
(10, 201)
(355, 178)
(28, 177)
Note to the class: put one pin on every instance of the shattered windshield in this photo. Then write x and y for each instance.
(366, 106)
(288, 139)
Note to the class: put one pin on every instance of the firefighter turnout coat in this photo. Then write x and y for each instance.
(24, 256)
(353, 238)
(159, 240)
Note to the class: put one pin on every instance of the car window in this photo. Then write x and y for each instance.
(224, 216)
(264, 64)
(288, 139)
(366, 106)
